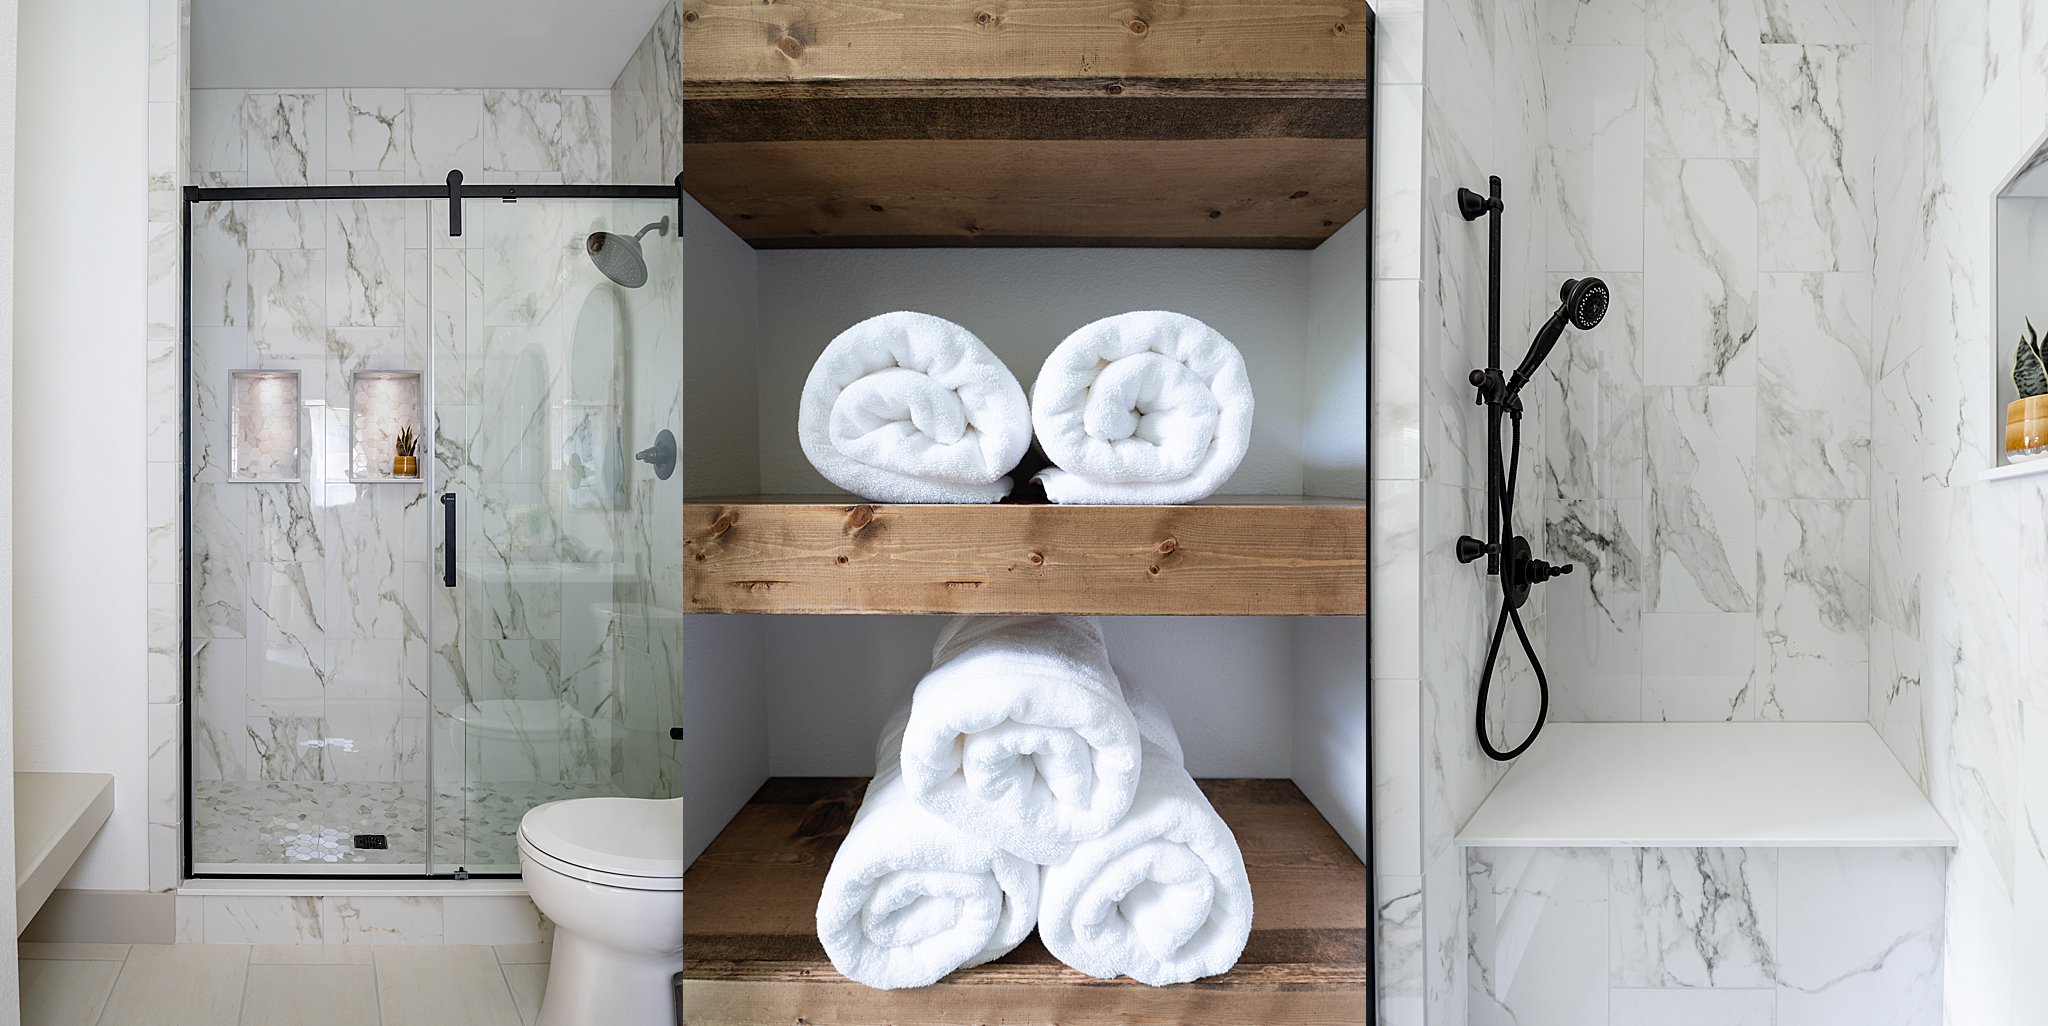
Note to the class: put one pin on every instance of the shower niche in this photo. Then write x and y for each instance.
(2018, 442)
(386, 422)
(265, 437)
(814, 205)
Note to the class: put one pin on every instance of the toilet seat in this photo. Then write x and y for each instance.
(632, 843)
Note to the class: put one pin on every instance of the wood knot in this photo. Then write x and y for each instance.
(722, 524)
(985, 20)
(876, 207)
(1139, 26)
(1114, 89)
(1167, 547)
(689, 17)
(1299, 194)
(1214, 214)
(1035, 559)
(859, 517)
(841, 560)
(744, 217)
(1340, 28)
(1153, 569)
(790, 47)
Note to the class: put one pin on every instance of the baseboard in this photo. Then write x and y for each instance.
(105, 917)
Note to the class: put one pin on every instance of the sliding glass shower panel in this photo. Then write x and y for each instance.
(558, 357)
(310, 562)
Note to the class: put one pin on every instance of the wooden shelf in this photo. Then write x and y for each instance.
(1241, 556)
(751, 955)
(913, 123)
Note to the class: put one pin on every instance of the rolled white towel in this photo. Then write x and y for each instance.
(909, 898)
(907, 407)
(1144, 407)
(1020, 734)
(1163, 897)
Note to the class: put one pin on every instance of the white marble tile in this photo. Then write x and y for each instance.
(1814, 386)
(1818, 21)
(1813, 609)
(333, 919)
(1693, 917)
(1897, 667)
(1397, 783)
(285, 137)
(165, 607)
(1397, 182)
(1699, 667)
(287, 302)
(218, 140)
(583, 150)
(1397, 579)
(1676, 1007)
(366, 263)
(165, 726)
(1595, 157)
(1701, 516)
(522, 129)
(1701, 87)
(492, 919)
(446, 134)
(220, 704)
(1538, 918)
(1591, 22)
(1843, 957)
(220, 265)
(166, 851)
(1700, 272)
(367, 130)
(1444, 938)
(218, 557)
(1593, 619)
(1818, 160)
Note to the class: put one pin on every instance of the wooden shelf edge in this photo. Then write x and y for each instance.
(751, 955)
(1266, 557)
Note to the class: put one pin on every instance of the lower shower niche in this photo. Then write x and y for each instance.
(264, 441)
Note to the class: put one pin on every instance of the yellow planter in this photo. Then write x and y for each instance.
(2026, 428)
(405, 466)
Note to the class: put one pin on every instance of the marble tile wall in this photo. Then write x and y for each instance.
(1459, 97)
(647, 105)
(1709, 444)
(167, 151)
(1705, 936)
(1962, 97)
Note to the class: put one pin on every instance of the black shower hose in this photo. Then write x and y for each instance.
(1508, 612)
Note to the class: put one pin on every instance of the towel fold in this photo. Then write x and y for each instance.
(907, 407)
(910, 898)
(1163, 897)
(1021, 734)
(1144, 407)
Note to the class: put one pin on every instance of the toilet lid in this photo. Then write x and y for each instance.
(633, 837)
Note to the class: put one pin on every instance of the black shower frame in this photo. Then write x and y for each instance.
(453, 190)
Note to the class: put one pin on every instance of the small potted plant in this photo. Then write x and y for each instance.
(407, 462)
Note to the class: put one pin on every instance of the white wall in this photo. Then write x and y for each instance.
(10, 983)
(79, 521)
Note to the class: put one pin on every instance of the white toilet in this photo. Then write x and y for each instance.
(608, 872)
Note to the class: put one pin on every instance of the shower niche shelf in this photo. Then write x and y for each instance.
(265, 440)
(751, 955)
(912, 123)
(1235, 556)
(381, 404)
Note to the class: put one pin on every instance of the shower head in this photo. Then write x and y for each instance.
(1582, 303)
(619, 257)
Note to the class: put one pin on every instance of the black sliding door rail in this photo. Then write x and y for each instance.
(454, 191)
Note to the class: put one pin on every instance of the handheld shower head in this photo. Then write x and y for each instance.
(1582, 303)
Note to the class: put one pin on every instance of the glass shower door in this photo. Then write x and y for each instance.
(557, 645)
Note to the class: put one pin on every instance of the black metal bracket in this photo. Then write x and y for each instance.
(455, 204)
(447, 539)
(1474, 206)
(679, 204)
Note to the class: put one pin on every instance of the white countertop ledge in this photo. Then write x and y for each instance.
(1765, 785)
(55, 815)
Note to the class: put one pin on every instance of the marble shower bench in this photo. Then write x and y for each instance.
(1752, 874)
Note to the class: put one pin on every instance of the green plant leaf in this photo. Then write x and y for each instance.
(2029, 370)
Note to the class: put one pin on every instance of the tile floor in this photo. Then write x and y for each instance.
(281, 985)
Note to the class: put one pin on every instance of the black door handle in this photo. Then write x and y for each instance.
(448, 539)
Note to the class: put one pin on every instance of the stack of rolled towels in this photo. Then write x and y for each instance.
(1023, 785)
(1145, 407)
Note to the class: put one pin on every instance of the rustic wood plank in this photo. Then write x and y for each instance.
(1062, 192)
(1126, 109)
(751, 954)
(743, 40)
(756, 557)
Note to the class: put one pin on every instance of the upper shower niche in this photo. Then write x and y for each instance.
(913, 123)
